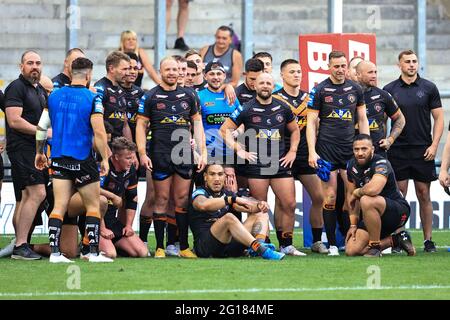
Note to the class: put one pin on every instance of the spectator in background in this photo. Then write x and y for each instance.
(129, 43)
(223, 51)
(182, 19)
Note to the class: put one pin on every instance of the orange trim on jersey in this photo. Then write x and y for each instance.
(132, 187)
(395, 114)
(97, 115)
(312, 110)
(180, 210)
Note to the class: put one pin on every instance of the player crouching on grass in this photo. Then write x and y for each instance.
(374, 192)
(217, 232)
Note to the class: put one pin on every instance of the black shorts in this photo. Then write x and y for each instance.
(164, 168)
(301, 167)
(255, 172)
(395, 216)
(81, 172)
(408, 163)
(338, 155)
(2, 168)
(113, 224)
(24, 173)
(208, 246)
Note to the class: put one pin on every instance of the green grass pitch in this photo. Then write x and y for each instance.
(425, 276)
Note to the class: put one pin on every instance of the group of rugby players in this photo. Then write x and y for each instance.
(209, 149)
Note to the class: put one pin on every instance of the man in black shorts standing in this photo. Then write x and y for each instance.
(336, 101)
(172, 112)
(379, 104)
(25, 100)
(372, 189)
(297, 100)
(266, 122)
(412, 155)
(217, 231)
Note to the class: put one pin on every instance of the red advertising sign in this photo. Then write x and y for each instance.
(314, 50)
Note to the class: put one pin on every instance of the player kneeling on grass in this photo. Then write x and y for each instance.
(217, 232)
(374, 192)
(120, 188)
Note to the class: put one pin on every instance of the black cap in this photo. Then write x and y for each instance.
(214, 66)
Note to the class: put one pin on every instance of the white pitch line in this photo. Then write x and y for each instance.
(250, 290)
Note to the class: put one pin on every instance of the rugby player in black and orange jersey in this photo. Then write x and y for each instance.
(266, 122)
(334, 101)
(373, 191)
(120, 188)
(171, 111)
(297, 100)
(379, 104)
(113, 95)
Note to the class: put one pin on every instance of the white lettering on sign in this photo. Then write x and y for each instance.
(356, 48)
(318, 55)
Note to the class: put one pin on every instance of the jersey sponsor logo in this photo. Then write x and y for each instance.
(341, 101)
(245, 95)
(217, 118)
(354, 170)
(174, 109)
(375, 97)
(343, 114)
(351, 98)
(117, 115)
(162, 96)
(282, 96)
(279, 118)
(134, 92)
(303, 97)
(258, 109)
(98, 105)
(329, 89)
(329, 99)
(256, 119)
(160, 106)
(180, 95)
(268, 121)
(347, 88)
(67, 166)
(378, 107)
(131, 117)
(373, 125)
(184, 105)
(209, 104)
(273, 134)
(381, 161)
(174, 119)
(276, 108)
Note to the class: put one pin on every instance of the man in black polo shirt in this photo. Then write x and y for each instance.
(2, 142)
(64, 78)
(413, 153)
(25, 99)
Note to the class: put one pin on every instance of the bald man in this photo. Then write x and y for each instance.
(379, 104)
(351, 71)
(171, 111)
(64, 78)
(267, 121)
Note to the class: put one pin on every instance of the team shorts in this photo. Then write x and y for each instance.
(207, 246)
(255, 172)
(338, 155)
(408, 163)
(301, 167)
(395, 216)
(164, 168)
(81, 172)
(23, 171)
(113, 224)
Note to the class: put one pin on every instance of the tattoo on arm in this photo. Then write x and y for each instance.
(397, 127)
(40, 144)
(256, 228)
